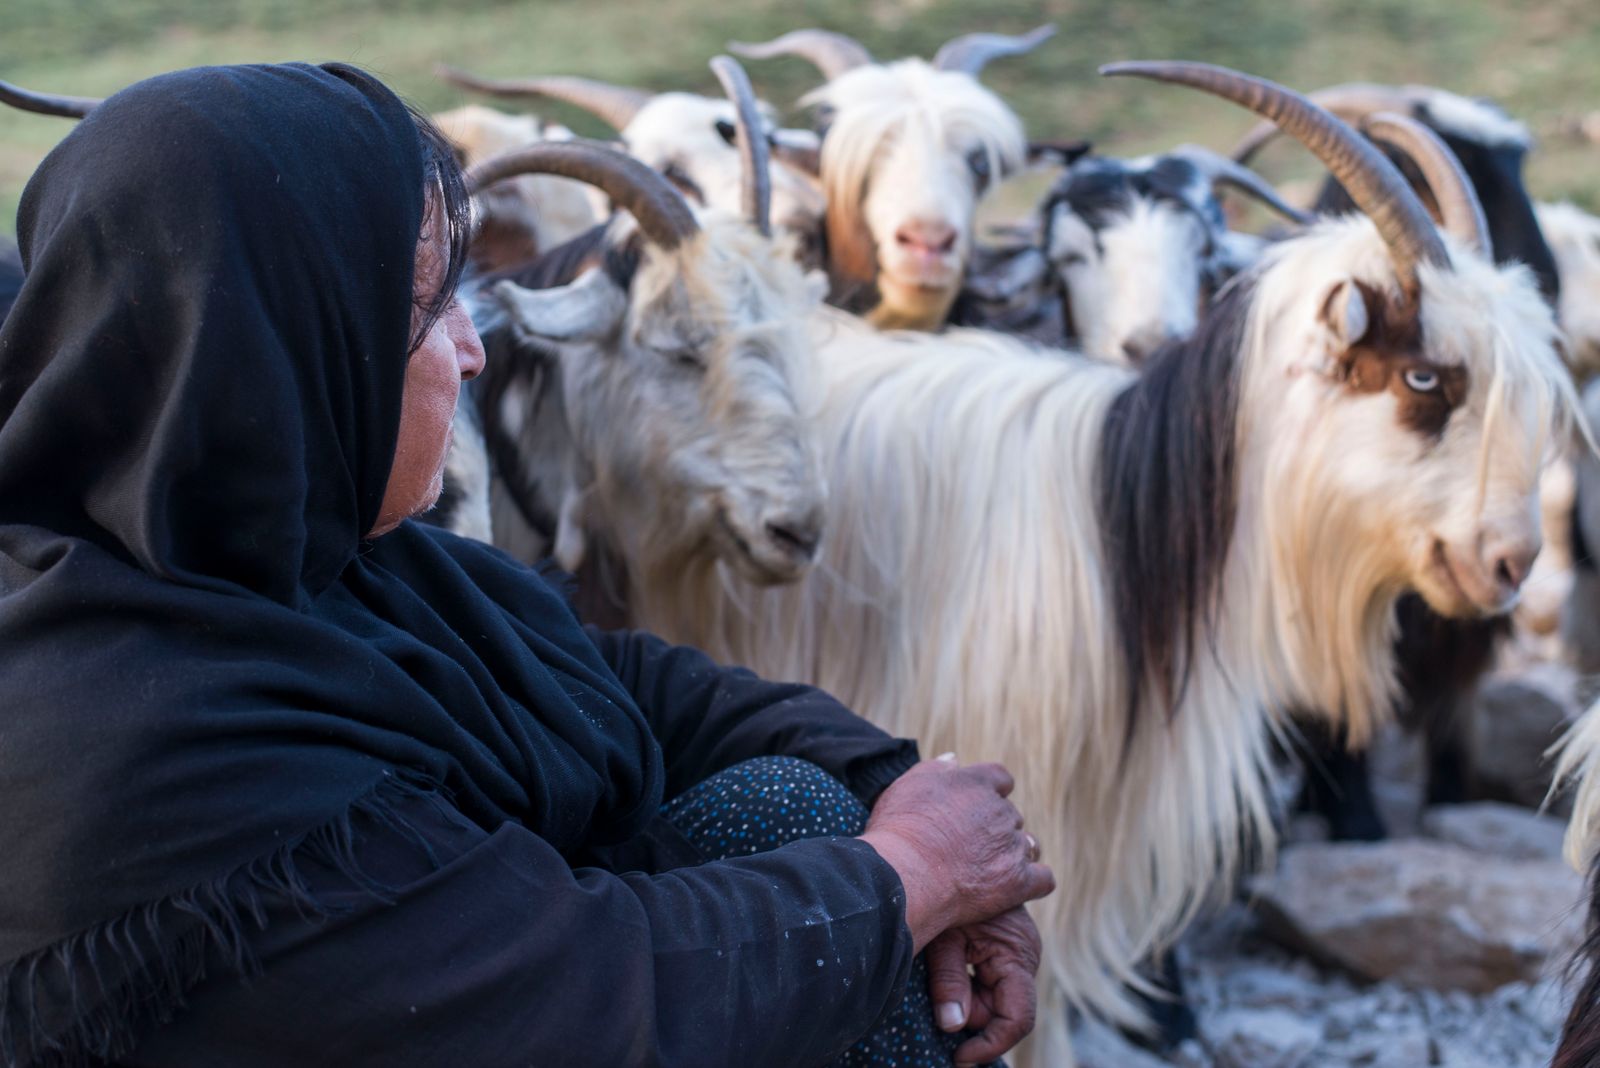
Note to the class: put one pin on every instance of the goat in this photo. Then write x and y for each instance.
(1579, 767)
(1363, 411)
(907, 149)
(521, 217)
(1441, 661)
(659, 414)
(1136, 247)
(691, 139)
(1574, 239)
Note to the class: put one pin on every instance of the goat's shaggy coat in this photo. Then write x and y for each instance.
(1103, 581)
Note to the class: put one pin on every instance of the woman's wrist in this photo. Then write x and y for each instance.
(927, 897)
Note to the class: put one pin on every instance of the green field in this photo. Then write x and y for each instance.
(1540, 61)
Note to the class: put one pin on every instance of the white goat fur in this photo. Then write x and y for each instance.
(897, 151)
(684, 423)
(1135, 283)
(554, 210)
(681, 129)
(1579, 766)
(961, 595)
(1574, 239)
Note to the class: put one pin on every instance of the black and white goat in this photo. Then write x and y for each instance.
(1365, 410)
(1579, 767)
(908, 148)
(1129, 252)
(692, 139)
(1441, 661)
(642, 401)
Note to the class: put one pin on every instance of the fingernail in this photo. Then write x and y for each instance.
(948, 758)
(950, 1016)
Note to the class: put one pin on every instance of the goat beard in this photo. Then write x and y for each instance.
(904, 307)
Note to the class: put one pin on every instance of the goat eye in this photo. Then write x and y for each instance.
(687, 358)
(1422, 381)
(1073, 259)
(978, 162)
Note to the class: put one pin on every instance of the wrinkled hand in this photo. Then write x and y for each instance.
(999, 998)
(957, 845)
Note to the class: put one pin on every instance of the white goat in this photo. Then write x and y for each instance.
(691, 139)
(662, 420)
(1106, 581)
(908, 148)
(1574, 239)
(526, 215)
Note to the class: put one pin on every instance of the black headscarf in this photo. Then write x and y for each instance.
(203, 668)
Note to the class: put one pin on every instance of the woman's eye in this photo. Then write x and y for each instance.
(1422, 381)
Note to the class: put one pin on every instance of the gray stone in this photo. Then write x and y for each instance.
(1517, 718)
(1496, 829)
(1424, 914)
(1261, 1038)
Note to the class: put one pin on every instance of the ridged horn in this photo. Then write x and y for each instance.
(614, 105)
(66, 107)
(831, 53)
(1459, 208)
(1352, 102)
(1220, 170)
(970, 53)
(1374, 183)
(660, 210)
(755, 153)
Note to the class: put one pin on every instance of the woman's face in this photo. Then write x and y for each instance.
(450, 354)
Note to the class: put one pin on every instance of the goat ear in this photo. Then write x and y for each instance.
(588, 308)
(1346, 315)
(1059, 153)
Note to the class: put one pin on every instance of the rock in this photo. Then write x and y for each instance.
(1424, 914)
(1097, 1046)
(1261, 1038)
(1518, 718)
(1496, 829)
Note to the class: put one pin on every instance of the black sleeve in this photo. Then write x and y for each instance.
(493, 951)
(708, 717)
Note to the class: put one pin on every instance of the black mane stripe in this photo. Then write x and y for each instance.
(1167, 492)
(1580, 1036)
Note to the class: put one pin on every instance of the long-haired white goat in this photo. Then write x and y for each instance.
(1108, 580)
(908, 148)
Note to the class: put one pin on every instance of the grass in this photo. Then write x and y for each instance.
(1539, 60)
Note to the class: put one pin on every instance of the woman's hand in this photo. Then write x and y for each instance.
(957, 845)
(999, 998)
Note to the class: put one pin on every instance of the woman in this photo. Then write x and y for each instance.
(288, 779)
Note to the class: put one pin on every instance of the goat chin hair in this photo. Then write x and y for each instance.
(965, 590)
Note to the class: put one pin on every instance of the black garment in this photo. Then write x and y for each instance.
(208, 675)
(495, 950)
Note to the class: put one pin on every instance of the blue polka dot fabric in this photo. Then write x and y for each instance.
(760, 805)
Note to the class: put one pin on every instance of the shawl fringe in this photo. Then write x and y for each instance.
(88, 997)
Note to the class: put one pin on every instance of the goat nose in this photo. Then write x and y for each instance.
(927, 236)
(799, 534)
(1509, 561)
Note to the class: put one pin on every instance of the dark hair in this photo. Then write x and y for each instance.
(442, 178)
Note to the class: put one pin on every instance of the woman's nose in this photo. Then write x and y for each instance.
(469, 347)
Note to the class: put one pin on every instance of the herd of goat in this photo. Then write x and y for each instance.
(1128, 500)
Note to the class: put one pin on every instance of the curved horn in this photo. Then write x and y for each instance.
(1374, 183)
(1352, 102)
(970, 53)
(1459, 208)
(831, 53)
(660, 209)
(614, 105)
(1220, 170)
(755, 153)
(66, 107)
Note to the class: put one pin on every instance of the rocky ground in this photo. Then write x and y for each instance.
(1442, 947)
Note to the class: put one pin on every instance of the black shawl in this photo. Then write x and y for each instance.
(204, 670)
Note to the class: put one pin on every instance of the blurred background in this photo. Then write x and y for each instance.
(1540, 60)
